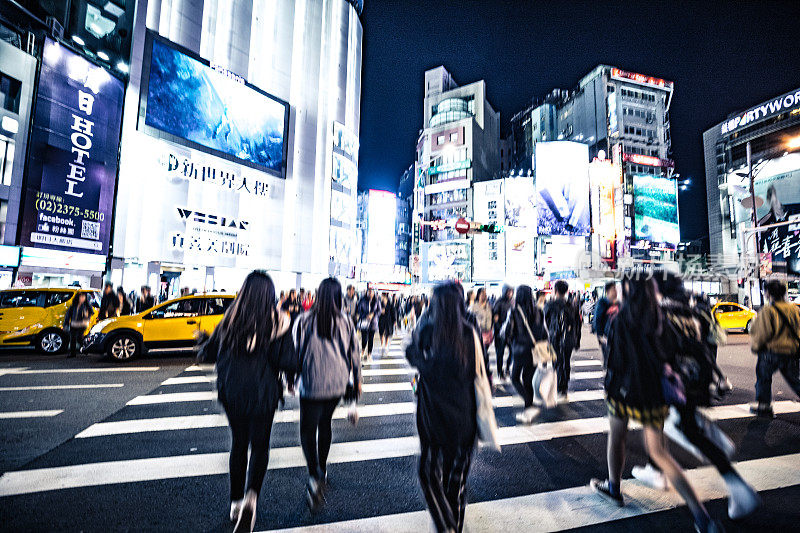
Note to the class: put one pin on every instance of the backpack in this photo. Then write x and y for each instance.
(562, 327)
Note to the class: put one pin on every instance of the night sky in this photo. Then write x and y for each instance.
(722, 56)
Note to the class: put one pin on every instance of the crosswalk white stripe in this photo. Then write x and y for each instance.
(10, 370)
(86, 370)
(578, 506)
(388, 372)
(128, 471)
(379, 362)
(31, 414)
(150, 399)
(200, 368)
(62, 387)
(183, 380)
(386, 387)
(586, 362)
(177, 423)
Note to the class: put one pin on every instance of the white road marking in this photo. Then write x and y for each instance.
(388, 372)
(198, 368)
(386, 387)
(63, 387)
(31, 414)
(578, 506)
(182, 380)
(128, 471)
(586, 362)
(177, 423)
(86, 370)
(150, 399)
(4, 371)
(391, 362)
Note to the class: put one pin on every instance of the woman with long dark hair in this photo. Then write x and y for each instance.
(249, 336)
(636, 389)
(443, 349)
(367, 313)
(330, 369)
(524, 327)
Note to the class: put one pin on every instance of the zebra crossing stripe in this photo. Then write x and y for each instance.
(63, 387)
(177, 423)
(181, 466)
(85, 370)
(31, 414)
(578, 506)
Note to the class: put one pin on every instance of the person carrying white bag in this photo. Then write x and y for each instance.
(452, 408)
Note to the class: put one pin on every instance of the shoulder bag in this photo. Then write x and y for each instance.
(785, 323)
(543, 351)
(484, 412)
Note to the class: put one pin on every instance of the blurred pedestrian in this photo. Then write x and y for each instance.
(77, 320)
(563, 326)
(249, 387)
(500, 314)
(125, 306)
(350, 303)
(775, 338)
(605, 307)
(109, 303)
(483, 314)
(443, 349)
(367, 313)
(523, 328)
(145, 299)
(386, 323)
(330, 371)
(638, 386)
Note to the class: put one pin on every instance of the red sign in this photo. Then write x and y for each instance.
(640, 78)
(648, 160)
(462, 226)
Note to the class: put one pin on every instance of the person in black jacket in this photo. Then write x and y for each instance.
(500, 313)
(125, 306)
(109, 303)
(563, 326)
(521, 344)
(606, 305)
(77, 321)
(249, 386)
(145, 300)
(443, 349)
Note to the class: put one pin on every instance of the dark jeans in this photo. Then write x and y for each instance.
(500, 348)
(522, 377)
(563, 355)
(249, 432)
(75, 339)
(443, 477)
(769, 363)
(367, 338)
(688, 426)
(315, 433)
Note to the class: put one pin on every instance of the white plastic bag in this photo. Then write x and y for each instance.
(544, 385)
(707, 427)
(486, 421)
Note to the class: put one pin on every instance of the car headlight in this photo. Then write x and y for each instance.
(97, 328)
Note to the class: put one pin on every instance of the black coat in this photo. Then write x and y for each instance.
(517, 336)
(108, 305)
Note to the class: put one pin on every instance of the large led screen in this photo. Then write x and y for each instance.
(655, 203)
(212, 110)
(72, 162)
(381, 220)
(562, 187)
(520, 203)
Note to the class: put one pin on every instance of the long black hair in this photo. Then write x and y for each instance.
(640, 310)
(247, 325)
(327, 307)
(449, 319)
(524, 301)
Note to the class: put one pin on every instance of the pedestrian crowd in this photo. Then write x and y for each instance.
(658, 343)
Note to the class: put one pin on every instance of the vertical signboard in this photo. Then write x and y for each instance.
(381, 220)
(344, 183)
(72, 163)
(562, 186)
(489, 254)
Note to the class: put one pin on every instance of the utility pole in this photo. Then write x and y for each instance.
(755, 222)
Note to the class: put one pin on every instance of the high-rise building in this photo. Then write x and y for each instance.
(458, 145)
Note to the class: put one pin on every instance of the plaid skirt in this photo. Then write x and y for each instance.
(647, 416)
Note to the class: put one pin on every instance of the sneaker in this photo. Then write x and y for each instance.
(562, 398)
(762, 410)
(236, 509)
(650, 476)
(743, 500)
(601, 488)
(537, 401)
(247, 515)
(527, 416)
(314, 497)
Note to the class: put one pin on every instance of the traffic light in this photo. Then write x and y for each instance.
(491, 228)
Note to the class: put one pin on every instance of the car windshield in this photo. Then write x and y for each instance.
(10, 299)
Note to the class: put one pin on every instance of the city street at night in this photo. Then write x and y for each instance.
(143, 446)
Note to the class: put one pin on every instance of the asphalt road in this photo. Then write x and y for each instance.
(143, 447)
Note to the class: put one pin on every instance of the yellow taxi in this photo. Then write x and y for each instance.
(35, 317)
(730, 315)
(173, 324)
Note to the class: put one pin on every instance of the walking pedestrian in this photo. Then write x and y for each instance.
(605, 307)
(563, 326)
(500, 314)
(637, 369)
(775, 338)
(249, 386)
(350, 303)
(386, 321)
(524, 327)
(77, 320)
(330, 370)
(109, 303)
(125, 306)
(484, 315)
(367, 313)
(145, 299)
(443, 350)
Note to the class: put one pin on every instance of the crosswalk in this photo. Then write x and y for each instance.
(176, 438)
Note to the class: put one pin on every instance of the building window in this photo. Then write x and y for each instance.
(10, 90)
(3, 216)
(440, 140)
(454, 137)
(6, 160)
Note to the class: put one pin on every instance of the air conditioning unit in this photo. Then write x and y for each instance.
(55, 27)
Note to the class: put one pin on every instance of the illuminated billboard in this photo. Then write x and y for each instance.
(520, 203)
(72, 163)
(447, 261)
(655, 203)
(488, 249)
(381, 220)
(562, 188)
(187, 100)
(603, 177)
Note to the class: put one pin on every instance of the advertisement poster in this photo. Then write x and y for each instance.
(214, 110)
(562, 187)
(448, 260)
(520, 203)
(381, 221)
(655, 203)
(520, 245)
(488, 249)
(72, 163)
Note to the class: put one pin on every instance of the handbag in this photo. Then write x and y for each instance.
(672, 387)
(543, 351)
(545, 385)
(487, 337)
(484, 412)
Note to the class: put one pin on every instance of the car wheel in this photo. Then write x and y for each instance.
(747, 326)
(51, 342)
(124, 347)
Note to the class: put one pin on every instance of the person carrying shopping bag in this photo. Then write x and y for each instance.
(330, 370)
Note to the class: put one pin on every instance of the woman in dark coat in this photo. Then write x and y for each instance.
(443, 350)
(251, 334)
(386, 322)
(367, 313)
